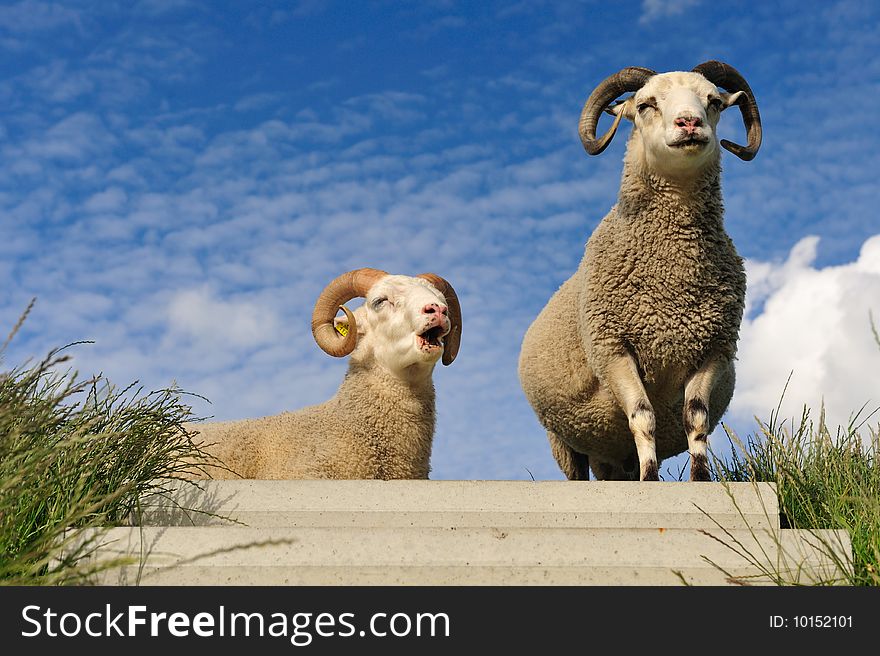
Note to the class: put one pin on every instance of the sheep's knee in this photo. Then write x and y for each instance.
(626, 384)
(642, 424)
(696, 425)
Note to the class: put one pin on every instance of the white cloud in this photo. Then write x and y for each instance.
(74, 138)
(58, 84)
(256, 101)
(199, 315)
(654, 9)
(813, 323)
(160, 7)
(189, 238)
(112, 198)
(35, 16)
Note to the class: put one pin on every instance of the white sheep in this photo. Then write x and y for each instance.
(631, 360)
(380, 423)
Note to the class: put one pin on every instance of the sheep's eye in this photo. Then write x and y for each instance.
(377, 303)
(641, 107)
(715, 103)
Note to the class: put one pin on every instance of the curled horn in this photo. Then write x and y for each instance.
(453, 339)
(353, 284)
(611, 88)
(729, 79)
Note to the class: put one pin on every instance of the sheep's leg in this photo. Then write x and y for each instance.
(626, 384)
(607, 471)
(696, 415)
(575, 465)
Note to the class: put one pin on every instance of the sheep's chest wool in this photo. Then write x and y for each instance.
(657, 282)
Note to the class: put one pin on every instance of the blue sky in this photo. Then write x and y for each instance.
(179, 179)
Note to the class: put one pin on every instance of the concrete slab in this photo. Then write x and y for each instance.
(468, 556)
(550, 504)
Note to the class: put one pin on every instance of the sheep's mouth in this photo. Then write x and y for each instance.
(432, 338)
(690, 142)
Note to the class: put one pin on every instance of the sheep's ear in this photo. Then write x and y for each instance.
(730, 99)
(342, 324)
(625, 107)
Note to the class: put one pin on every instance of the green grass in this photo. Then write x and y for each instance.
(79, 454)
(822, 481)
(83, 454)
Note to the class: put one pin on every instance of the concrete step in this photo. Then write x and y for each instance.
(467, 504)
(234, 555)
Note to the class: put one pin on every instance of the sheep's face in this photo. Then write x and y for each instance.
(676, 116)
(402, 325)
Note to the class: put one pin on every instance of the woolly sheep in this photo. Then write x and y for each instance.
(631, 360)
(380, 423)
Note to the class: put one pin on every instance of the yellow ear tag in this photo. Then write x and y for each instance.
(342, 327)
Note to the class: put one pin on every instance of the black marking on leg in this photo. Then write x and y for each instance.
(651, 473)
(700, 438)
(693, 407)
(696, 405)
(700, 468)
(641, 406)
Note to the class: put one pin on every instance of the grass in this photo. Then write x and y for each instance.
(79, 454)
(822, 481)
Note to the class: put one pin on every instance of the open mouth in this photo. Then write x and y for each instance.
(432, 338)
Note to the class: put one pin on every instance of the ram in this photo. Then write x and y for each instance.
(632, 359)
(380, 423)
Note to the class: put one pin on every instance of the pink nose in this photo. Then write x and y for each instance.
(432, 308)
(688, 123)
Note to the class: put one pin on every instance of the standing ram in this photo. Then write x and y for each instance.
(380, 423)
(632, 359)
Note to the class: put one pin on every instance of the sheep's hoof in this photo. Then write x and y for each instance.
(700, 468)
(650, 473)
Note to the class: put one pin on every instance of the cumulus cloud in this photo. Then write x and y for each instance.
(812, 323)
